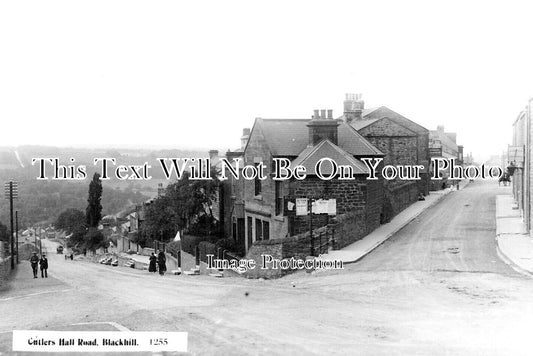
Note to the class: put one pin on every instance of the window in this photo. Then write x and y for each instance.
(258, 230)
(257, 182)
(279, 197)
(266, 230)
(249, 228)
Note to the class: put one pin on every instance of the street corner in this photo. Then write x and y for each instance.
(516, 250)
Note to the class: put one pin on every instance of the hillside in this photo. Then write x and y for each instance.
(44, 200)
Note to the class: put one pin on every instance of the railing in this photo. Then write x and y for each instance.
(324, 241)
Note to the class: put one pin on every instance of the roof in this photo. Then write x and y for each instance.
(383, 111)
(360, 124)
(444, 139)
(289, 137)
(312, 154)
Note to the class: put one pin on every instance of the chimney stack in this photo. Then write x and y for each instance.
(322, 127)
(244, 138)
(353, 107)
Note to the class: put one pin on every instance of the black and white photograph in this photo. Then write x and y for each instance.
(266, 177)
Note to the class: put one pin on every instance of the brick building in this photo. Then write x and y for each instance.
(403, 142)
(256, 207)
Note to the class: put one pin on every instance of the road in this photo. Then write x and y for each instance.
(435, 288)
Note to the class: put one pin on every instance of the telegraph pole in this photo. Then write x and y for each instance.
(17, 233)
(11, 192)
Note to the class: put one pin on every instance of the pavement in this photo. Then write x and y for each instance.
(359, 249)
(514, 243)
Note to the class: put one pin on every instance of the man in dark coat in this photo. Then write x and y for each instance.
(161, 262)
(34, 260)
(44, 266)
(152, 267)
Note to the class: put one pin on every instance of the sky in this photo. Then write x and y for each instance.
(193, 74)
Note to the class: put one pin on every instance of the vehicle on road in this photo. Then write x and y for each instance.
(59, 249)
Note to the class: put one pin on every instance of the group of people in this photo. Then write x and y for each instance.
(158, 263)
(35, 261)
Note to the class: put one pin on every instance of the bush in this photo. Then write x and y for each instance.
(189, 242)
(207, 248)
(205, 225)
(226, 244)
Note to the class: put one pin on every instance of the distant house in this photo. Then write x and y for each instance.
(444, 145)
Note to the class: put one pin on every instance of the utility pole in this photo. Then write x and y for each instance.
(17, 233)
(11, 192)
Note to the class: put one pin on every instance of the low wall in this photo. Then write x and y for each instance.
(5, 270)
(26, 250)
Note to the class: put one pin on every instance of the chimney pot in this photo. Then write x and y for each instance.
(316, 116)
(330, 114)
(245, 131)
(323, 114)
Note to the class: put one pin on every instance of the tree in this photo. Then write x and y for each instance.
(94, 239)
(4, 234)
(71, 220)
(182, 205)
(94, 209)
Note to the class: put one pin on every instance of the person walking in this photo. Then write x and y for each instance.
(34, 261)
(44, 266)
(152, 267)
(161, 261)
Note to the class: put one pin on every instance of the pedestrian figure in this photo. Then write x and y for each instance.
(71, 256)
(34, 260)
(152, 267)
(44, 266)
(161, 261)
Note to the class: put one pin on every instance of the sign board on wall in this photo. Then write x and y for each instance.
(300, 206)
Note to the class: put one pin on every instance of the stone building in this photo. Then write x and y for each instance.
(519, 156)
(444, 145)
(403, 142)
(256, 207)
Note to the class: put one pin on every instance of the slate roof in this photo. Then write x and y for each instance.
(444, 139)
(360, 124)
(289, 137)
(312, 154)
(372, 115)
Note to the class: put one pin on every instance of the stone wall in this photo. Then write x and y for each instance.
(5, 270)
(346, 229)
(266, 247)
(402, 196)
(359, 197)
